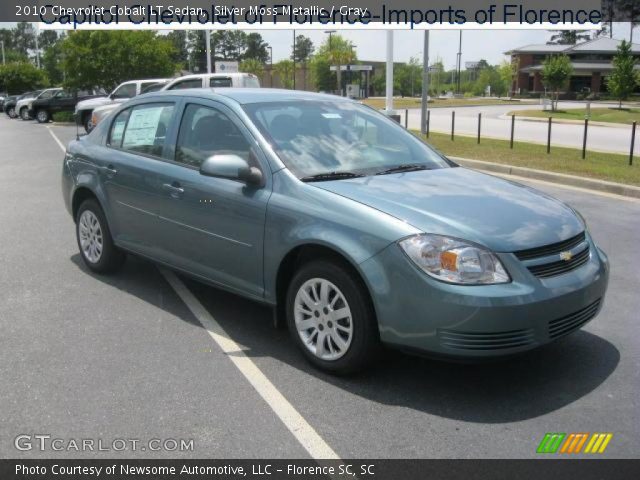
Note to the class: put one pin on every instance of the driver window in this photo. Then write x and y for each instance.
(205, 132)
(125, 91)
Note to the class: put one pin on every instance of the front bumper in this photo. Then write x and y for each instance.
(417, 312)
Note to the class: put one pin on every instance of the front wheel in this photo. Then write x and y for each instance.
(42, 116)
(24, 114)
(331, 318)
(88, 124)
(94, 239)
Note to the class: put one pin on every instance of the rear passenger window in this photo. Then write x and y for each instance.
(220, 82)
(146, 129)
(205, 132)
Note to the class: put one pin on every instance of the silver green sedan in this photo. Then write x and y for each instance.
(356, 232)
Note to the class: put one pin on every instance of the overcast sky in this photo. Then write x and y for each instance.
(370, 44)
(476, 44)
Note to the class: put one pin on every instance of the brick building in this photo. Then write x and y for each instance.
(591, 60)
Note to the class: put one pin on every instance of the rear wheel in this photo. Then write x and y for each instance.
(94, 239)
(12, 112)
(331, 318)
(42, 116)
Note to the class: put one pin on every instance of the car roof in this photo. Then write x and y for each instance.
(251, 95)
(213, 75)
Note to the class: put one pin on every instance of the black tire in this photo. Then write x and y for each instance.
(111, 257)
(24, 114)
(43, 116)
(86, 122)
(365, 341)
(12, 112)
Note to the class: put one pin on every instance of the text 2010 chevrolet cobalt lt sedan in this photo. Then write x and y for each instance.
(353, 229)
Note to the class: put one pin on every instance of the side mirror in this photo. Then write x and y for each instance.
(232, 167)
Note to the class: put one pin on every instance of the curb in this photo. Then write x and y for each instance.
(582, 182)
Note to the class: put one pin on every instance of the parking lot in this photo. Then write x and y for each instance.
(123, 356)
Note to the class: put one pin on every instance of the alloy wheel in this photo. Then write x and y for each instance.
(323, 319)
(90, 234)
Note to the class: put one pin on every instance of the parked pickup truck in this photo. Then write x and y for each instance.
(122, 93)
(42, 109)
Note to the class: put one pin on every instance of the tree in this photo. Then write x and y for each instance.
(24, 38)
(507, 71)
(567, 37)
(407, 78)
(20, 77)
(105, 58)
(229, 44)
(252, 65)
(284, 69)
(256, 48)
(303, 51)
(336, 50)
(556, 71)
(623, 78)
(631, 10)
(196, 48)
(178, 38)
(323, 78)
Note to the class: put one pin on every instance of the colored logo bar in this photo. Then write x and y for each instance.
(574, 443)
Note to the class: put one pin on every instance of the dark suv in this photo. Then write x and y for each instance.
(63, 101)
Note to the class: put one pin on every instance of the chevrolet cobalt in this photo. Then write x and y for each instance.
(356, 232)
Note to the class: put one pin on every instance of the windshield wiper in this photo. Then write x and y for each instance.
(405, 167)
(326, 176)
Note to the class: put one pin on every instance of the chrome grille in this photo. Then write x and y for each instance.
(569, 323)
(552, 249)
(485, 341)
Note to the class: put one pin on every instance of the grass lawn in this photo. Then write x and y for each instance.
(611, 115)
(603, 166)
(407, 102)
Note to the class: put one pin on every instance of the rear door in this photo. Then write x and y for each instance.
(214, 227)
(136, 147)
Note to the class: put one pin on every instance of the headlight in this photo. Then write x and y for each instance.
(454, 261)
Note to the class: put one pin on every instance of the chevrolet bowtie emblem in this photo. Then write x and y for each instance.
(566, 256)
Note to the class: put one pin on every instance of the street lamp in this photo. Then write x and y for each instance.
(2, 42)
(331, 32)
(270, 65)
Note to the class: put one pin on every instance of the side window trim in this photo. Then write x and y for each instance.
(109, 144)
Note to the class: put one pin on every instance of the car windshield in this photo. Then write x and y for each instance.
(338, 137)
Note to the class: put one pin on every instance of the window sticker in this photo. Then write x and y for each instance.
(331, 115)
(142, 127)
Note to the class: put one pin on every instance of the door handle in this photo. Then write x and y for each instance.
(110, 170)
(175, 190)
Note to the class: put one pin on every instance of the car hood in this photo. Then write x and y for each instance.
(92, 103)
(502, 215)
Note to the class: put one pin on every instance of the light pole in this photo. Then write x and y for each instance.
(294, 59)
(459, 66)
(425, 84)
(270, 65)
(331, 32)
(3, 60)
(207, 34)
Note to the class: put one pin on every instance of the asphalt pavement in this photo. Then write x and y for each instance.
(123, 356)
(497, 124)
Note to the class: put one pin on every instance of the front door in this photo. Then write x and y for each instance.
(214, 226)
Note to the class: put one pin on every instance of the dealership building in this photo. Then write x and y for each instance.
(591, 60)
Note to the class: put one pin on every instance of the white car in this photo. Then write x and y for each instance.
(23, 106)
(206, 80)
(212, 80)
(122, 93)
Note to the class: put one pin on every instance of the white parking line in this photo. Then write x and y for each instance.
(297, 425)
(60, 144)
